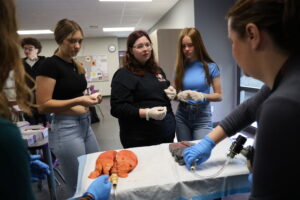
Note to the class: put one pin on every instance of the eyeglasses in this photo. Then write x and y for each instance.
(73, 40)
(142, 45)
(189, 45)
(29, 48)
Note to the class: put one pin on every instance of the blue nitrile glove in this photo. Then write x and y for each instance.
(250, 178)
(100, 188)
(200, 152)
(39, 170)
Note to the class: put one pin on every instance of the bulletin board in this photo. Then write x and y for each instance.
(95, 66)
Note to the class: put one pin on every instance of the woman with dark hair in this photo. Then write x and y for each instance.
(196, 74)
(266, 45)
(60, 86)
(138, 99)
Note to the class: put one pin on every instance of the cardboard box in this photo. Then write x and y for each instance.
(29, 139)
(37, 131)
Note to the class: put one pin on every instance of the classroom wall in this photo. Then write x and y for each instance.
(122, 43)
(93, 46)
(180, 16)
(164, 34)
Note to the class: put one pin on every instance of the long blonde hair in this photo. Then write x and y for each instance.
(63, 29)
(10, 60)
(200, 51)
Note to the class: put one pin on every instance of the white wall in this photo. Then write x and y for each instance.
(92, 46)
(180, 16)
(122, 42)
(164, 34)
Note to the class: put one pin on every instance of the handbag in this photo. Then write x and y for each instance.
(94, 116)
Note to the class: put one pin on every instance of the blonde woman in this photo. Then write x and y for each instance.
(60, 84)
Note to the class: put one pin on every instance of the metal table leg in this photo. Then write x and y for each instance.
(51, 179)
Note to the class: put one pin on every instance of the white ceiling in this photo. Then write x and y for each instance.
(91, 15)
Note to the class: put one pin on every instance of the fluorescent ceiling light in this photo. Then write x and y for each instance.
(34, 32)
(118, 29)
(127, 0)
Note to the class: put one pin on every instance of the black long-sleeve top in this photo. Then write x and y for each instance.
(245, 113)
(277, 112)
(129, 93)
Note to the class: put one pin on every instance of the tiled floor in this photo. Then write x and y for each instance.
(107, 133)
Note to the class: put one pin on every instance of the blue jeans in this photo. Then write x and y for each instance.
(71, 136)
(193, 121)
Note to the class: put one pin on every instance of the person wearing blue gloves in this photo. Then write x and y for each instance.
(16, 164)
(266, 45)
(39, 170)
(99, 189)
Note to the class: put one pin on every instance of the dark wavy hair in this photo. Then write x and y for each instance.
(33, 41)
(130, 62)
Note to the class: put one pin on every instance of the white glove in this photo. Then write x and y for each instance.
(157, 113)
(170, 92)
(98, 96)
(184, 95)
(197, 96)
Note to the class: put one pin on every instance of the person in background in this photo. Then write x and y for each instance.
(60, 86)
(266, 45)
(196, 73)
(138, 99)
(16, 166)
(32, 47)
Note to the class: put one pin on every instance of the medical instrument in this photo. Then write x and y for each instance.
(235, 148)
(193, 168)
(114, 181)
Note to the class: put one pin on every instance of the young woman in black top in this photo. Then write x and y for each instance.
(60, 86)
(138, 99)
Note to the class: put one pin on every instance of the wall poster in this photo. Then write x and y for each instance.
(95, 66)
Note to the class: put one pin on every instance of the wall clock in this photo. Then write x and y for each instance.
(111, 48)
